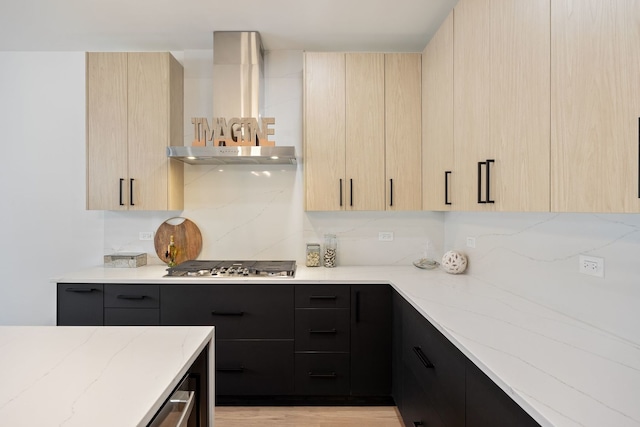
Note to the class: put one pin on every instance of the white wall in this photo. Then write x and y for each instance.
(45, 228)
(536, 256)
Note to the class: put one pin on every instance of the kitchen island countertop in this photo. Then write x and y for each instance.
(562, 371)
(92, 376)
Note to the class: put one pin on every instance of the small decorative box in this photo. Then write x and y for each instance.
(125, 260)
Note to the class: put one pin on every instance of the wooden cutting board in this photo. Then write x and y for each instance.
(186, 236)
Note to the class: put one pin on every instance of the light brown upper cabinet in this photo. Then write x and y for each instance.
(403, 125)
(595, 104)
(501, 105)
(134, 111)
(362, 131)
(437, 119)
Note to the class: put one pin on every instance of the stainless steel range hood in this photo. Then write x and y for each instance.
(238, 91)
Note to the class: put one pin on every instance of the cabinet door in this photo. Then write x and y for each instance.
(324, 131)
(595, 106)
(501, 105)
(148, 106)
(488, 405)
(237, 311)
(79, 304)
(437, 120)
(365, 155)
(403, 134)
(107, 185)
(371, 345)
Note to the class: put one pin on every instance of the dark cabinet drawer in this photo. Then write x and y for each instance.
(132, 296)
(417, 408)
(322, 329)
(79, 304)
(131, 316)
(237, 311)
(437, 365)
(322, 374)
(257, 368)
(322, 296)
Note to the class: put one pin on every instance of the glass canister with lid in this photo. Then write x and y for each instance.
(330, 250)
(313, 255)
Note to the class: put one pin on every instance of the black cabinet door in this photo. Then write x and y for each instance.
(79, 304)
(132, 296)
(322, 374)
(488, 405)
(437, 365)
(237, 311)
(322, 329)
(370, 340)
(254, 367)
(418, 407)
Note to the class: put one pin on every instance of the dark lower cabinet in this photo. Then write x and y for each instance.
(254, 367)
(371, 329)
(418, 407)
(489, 405)
(131, 305)
(79, 304)
(322, 374)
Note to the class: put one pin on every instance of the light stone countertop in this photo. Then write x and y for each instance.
(67, 376)
(561, 371)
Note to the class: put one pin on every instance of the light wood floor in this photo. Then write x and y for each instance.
(307, 416)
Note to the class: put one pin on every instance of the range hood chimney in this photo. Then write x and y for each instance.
(238, 91)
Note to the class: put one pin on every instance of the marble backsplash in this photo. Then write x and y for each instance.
(535, 256)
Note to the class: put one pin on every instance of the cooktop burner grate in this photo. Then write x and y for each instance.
(250, 268)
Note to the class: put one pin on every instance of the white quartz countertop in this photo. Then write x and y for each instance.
(68, 376)
(562, 371)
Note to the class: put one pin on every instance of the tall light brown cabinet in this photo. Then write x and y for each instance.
(595, 99)
(134, 111)
(362, 131)
(501, 105)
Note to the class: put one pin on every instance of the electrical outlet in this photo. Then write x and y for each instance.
(146, 235)
(471, 242)
(385, 236)
(591, 265)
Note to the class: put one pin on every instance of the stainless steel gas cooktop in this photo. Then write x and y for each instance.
(209, 269)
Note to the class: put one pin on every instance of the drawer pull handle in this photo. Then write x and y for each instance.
(323, 297)
(227, 313)
(136, 297)
(417, 423)
(80, 290)
(323, 331)
(121, 181)
(423, 358)
(233, 370)
(446, 187)
(330, 375)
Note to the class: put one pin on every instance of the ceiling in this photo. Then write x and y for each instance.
(330, 25)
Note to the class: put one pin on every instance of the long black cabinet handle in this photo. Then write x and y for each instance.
(357, 306)
(227, 313)
(80, 290)
(136, 297)
(234, 370)
(341, 192)
(488, 162)
(423, 358)
(417, 423)
(446, 187)
(323, 331)
(131, 192)
(323, 297)
(390, 192)
(350, 192)
(121, 182)
(330, 375)
(480, 182)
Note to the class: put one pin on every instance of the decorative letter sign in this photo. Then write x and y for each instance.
(236, 131)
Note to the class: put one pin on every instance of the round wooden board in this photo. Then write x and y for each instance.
(186, 236)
